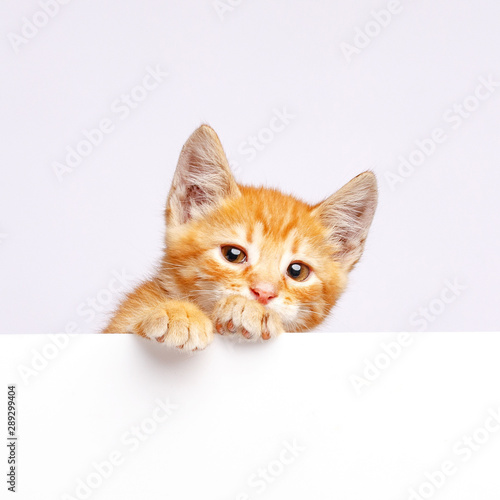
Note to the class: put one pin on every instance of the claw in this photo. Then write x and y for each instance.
(266, 335)
(230, 326)
(218, 327)
(245, 333)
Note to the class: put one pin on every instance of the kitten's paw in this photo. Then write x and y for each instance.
(178, 324)
(238, 315)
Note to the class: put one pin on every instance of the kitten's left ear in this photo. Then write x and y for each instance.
(202, 178)
(348, 215)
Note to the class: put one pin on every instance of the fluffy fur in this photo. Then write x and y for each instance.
(197, 291)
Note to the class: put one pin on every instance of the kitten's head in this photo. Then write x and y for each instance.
(224, 238)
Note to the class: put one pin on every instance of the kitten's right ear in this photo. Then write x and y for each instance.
(348, 215)
(202, 178)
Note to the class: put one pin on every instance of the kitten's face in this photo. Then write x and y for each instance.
(223, 238)
(265, 246)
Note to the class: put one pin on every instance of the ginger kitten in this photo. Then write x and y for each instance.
(245, 261)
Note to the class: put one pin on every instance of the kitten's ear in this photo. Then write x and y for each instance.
(348, 215)
(202, 178)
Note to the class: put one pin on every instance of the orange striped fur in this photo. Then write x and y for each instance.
(197, 290)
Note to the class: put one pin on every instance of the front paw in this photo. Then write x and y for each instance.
(177, 324)
(238, 315)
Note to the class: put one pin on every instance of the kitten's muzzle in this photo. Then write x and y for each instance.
(263, 292)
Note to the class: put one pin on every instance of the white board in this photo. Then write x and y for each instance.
(278, 420)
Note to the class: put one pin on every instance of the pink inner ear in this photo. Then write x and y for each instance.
(348, 214)
(196, 195)
(202, 177)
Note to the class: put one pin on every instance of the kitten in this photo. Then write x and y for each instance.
(245, 261)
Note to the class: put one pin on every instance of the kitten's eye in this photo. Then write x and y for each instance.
(298, 271)
(234, 254)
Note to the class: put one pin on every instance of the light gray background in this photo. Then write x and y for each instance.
(62, 242)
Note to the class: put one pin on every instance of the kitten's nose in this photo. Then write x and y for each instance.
(263, 292)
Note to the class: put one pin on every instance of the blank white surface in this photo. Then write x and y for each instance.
(238, 403)
(61, 242)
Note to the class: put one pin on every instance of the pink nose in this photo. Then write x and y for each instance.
(263, 292)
